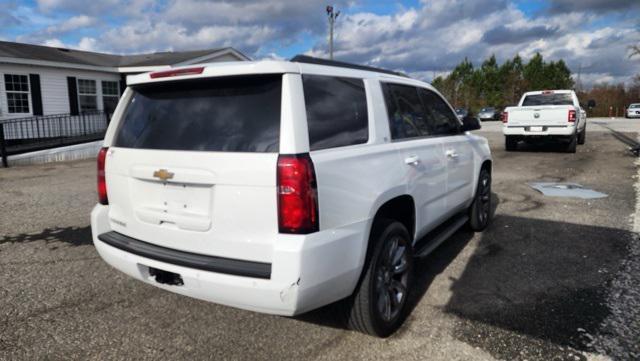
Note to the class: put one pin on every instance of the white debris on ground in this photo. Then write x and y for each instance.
(572, 190)
(619, 335)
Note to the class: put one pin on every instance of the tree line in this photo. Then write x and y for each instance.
(500, 86)
(612, 99)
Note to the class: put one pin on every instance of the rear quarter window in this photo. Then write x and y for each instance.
(230, 114)
(336, 111)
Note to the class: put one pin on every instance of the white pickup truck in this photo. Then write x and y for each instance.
(547, 114)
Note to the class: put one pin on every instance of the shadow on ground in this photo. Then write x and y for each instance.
(75, 236)
(542, 146)
(536, 279)
(425, 271)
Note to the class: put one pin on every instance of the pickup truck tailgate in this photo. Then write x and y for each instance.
(547, 115)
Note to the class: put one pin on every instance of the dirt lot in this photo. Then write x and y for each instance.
(552, 278)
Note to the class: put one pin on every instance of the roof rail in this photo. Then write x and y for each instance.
(311, 60)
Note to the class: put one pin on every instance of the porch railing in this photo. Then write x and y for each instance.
(23, 135)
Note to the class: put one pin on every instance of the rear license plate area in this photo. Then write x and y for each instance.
(536, 129)
(165, 277)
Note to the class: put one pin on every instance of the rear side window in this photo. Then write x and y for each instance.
(406, 114)
(548, 99)
(336, 111)
(441, 119)
(230, 114)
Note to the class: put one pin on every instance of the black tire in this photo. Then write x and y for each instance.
(510, 143)
(480, 209)
(362, 310)
(582, 137)
(573, 142)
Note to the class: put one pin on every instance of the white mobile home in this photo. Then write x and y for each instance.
(40, 80)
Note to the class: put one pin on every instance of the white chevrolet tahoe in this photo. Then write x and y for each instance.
(547, 114)
(283, 186)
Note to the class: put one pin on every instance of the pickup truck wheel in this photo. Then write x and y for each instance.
(573, 141)
(480, 209)
(378, 305)
(510, 143)
(583, 136)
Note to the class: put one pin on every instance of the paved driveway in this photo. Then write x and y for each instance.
(549, 279)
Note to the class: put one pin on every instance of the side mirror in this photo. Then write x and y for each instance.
(470, 123)
(591, 103)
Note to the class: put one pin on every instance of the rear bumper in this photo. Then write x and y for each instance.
(526, 131)
(307, 271)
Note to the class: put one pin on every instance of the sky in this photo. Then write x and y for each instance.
(423, 38)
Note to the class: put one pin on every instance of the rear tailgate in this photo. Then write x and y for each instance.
(545, 115)
(193, 166)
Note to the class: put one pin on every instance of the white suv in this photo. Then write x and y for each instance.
(280, 187)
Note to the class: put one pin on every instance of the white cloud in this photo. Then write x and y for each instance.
(56, 43)
(88, 44)
(73, 23)
(429, 38)
(165, 36)
(437, 36)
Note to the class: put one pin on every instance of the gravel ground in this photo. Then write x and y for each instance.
(551, 279)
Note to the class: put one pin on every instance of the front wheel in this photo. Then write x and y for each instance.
(379, 303)
(480, 209)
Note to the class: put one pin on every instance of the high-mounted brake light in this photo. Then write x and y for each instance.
(102, 182)
(176, 72)
(297, 194)
(572, 116)
(504, 117)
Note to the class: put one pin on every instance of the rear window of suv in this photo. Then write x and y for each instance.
(230, 114)
(548, 99)
(336, 111)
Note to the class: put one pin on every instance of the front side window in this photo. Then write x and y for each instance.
(441, 120)
(17, 88)
(405, 111)
(336, 111)
(230, 114)
(109, 95)
(87, 95)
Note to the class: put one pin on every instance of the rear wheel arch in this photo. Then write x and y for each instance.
(401, 208)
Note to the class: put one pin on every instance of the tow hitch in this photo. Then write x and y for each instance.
(166, 277)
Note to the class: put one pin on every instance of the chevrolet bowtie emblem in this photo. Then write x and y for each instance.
(163, 174)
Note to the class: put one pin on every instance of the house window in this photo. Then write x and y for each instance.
(17, 87)
(87, 96)
(109, 96)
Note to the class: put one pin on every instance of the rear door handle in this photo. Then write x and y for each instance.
(451, 154)
(412, 160)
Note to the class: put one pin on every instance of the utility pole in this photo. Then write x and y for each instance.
(332, 19)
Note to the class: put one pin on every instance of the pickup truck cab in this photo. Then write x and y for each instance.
(284, 186)
(548, 114)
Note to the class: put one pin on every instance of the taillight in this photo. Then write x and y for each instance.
(504, 117)
(176, 72)
(297, 194)
(102, 183)
(572, 116)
